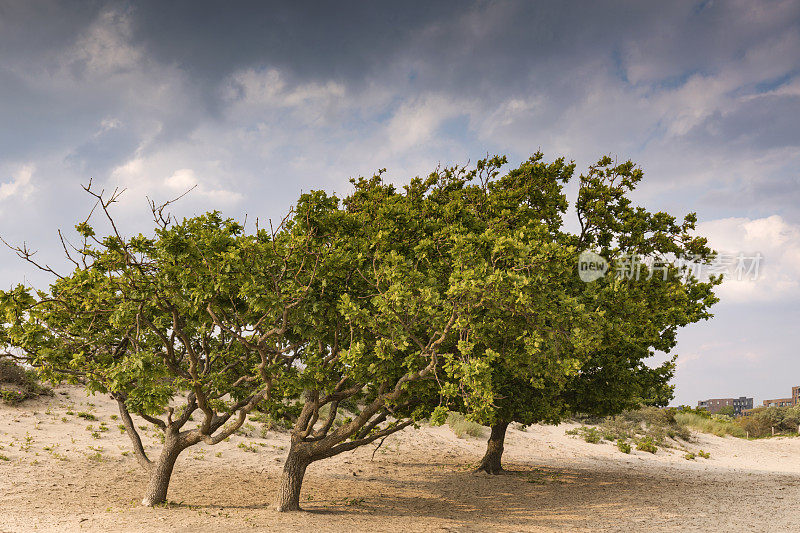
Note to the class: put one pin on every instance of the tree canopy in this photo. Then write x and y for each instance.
(370, 313)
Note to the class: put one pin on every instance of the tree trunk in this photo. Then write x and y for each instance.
(292, 480)
(491, 462)
(161, 471)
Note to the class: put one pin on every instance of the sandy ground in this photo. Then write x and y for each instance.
(55, 475)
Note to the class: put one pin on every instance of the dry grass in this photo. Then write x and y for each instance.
(713, 426)
(461, 426)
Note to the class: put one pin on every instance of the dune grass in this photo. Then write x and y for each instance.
(716, 427)
(461, 426)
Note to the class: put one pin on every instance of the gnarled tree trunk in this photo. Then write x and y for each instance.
(161, 471)
(491, 462)
(292, 479)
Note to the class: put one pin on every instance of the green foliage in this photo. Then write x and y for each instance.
(358, 317)
(86, 416)
(623, 446)
(11, 397)
(726, 410)
(760, 421)
(248, 447)
(704, 455)
(694, 410)
(18, 384)
(537, 344)
(440, 415)
(689, 456)
(646, 444)
(589, 434)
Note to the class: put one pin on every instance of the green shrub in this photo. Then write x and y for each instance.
(689, 456)
(18, 384)
(623, 446)
(755, 426)
(11, 396)
(704, 455)
(461, 426)
(658, 424)
(86, 416)
(618, 427)
(646, 444)
(592, 435)
(703, 412)
(589, 434)
(760, 421)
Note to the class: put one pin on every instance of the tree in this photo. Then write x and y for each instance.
(382, 310)
(590, 344)
(160, 324)
(726, 410)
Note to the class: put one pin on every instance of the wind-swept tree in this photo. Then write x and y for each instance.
(381, 313)
(586, 350)
(139, 318)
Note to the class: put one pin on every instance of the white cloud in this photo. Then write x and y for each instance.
(777, 240)
(183, 179)
(20, 184)
(253, 93)
(415, 122)
(154, 177)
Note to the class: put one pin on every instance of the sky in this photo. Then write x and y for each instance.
(251, 103)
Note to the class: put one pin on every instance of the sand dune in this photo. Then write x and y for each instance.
(59, 477)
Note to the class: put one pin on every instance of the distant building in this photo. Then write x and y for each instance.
(715, 404)
(785, 402)
(780, 402)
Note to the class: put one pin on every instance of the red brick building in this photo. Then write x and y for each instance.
(780, 402)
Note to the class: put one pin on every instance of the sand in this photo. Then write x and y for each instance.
(59, 477)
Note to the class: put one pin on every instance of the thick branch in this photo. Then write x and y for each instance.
(130, 428)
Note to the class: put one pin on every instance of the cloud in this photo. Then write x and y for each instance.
(254, 104)
(154, 178)
(777, 277)
(20, 185)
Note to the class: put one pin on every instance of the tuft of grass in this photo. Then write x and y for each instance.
(461, 426)
(704, 455)
(86, 416)
(689, 456)
(248, 447)
(623, 446)
(589, 434)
